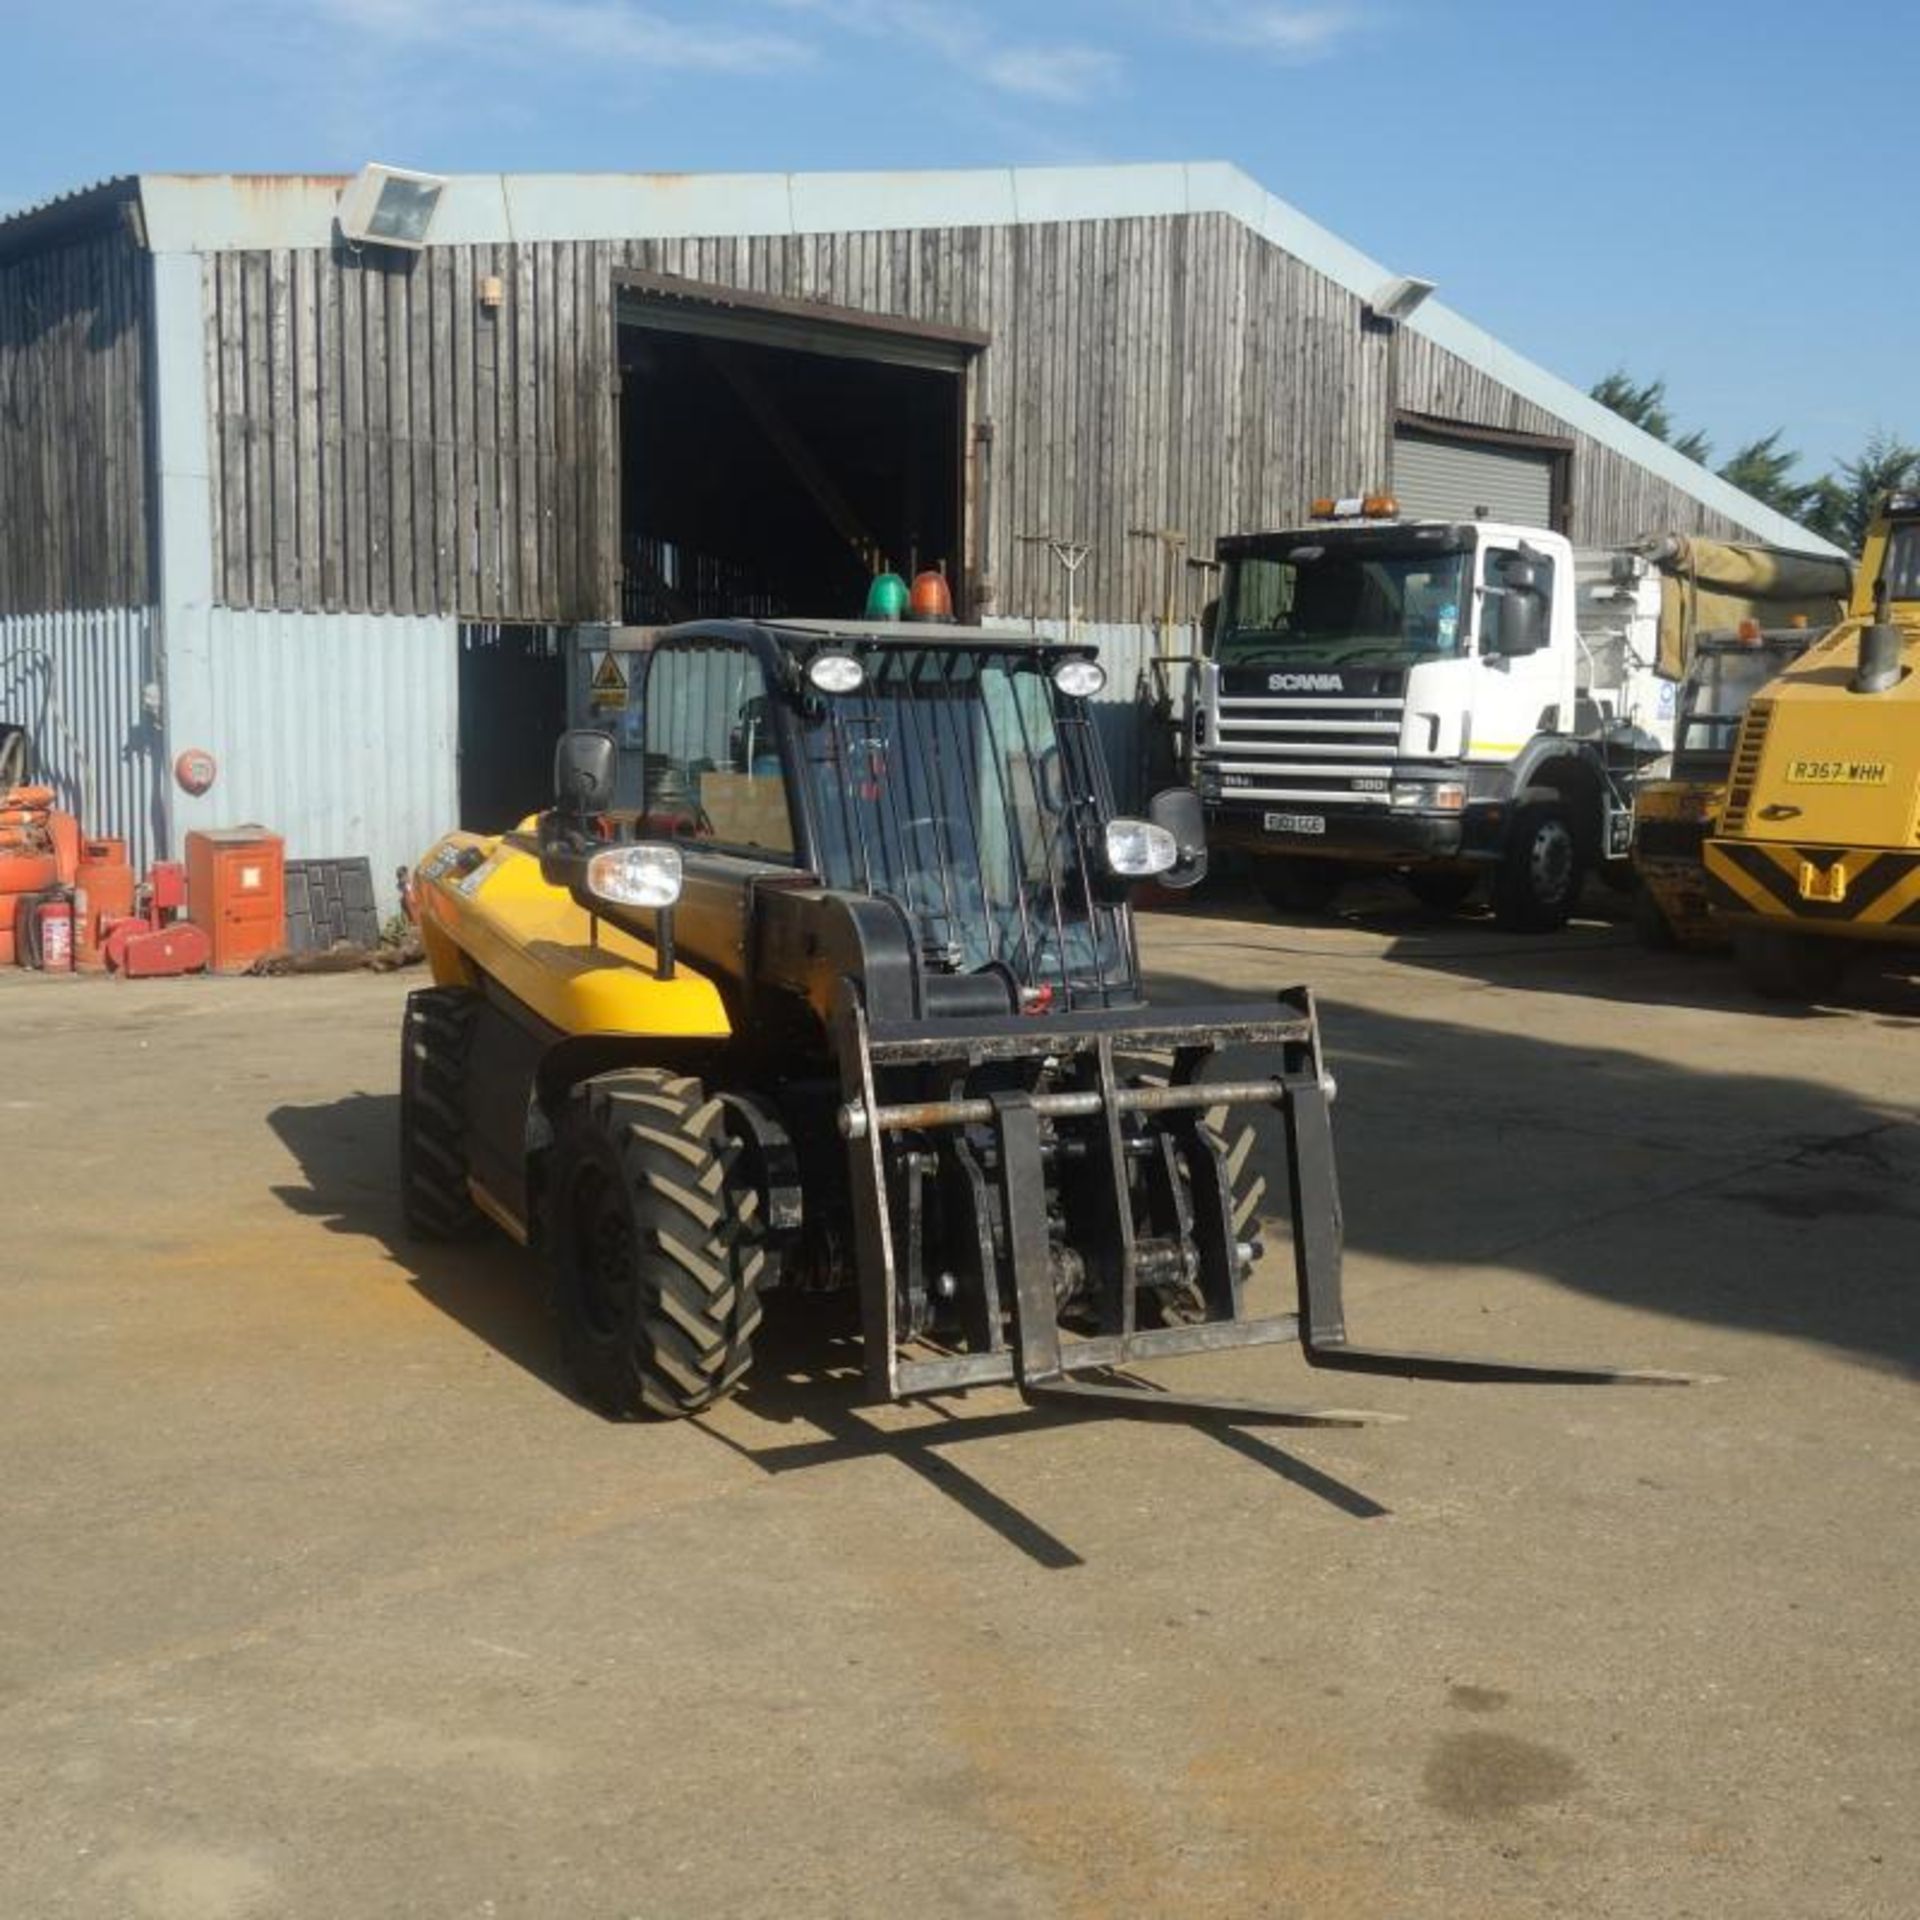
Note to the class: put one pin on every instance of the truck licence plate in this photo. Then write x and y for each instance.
(1296, 823)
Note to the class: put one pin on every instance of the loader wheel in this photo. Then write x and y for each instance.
(434, 1033)
(654, 1240)
(1538, 879)
(1788, 966)
(1442, 889)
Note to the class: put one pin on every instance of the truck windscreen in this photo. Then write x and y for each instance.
(1330, 605)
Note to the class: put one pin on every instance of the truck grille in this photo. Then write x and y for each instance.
(1746, 765)
(1339, 750)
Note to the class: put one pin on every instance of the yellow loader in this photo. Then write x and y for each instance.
(1817, 849)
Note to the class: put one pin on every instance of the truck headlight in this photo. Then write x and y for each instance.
(646, 875)
(1137, 849)
(1443, 796)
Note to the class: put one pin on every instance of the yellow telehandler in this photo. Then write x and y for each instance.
(822, 973)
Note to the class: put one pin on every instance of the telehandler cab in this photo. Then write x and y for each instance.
(827, 976)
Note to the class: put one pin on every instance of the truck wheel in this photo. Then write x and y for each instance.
(1788, 966)
(654, 1240)
(1299, 886)
(1538, 879)
(434, 1032)
(1442, 889)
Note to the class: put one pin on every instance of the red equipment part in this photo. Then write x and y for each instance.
(153, 944)
(157, 951)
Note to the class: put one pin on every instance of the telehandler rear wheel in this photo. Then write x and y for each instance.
(434, 1033)
(655, 1247)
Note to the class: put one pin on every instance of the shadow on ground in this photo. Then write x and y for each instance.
(1616, 1175)
(1597, 957)
(1625, 1177)
(806, 1370)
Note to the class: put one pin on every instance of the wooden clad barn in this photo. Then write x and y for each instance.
(327, 510)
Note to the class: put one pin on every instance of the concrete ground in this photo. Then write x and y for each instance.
(319, 1595)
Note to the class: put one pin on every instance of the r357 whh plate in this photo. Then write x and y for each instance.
(1296, 823)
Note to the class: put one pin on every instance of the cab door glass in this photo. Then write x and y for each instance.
(711, 755)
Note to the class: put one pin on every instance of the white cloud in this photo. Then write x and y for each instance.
(1294, 34)
(589, 30)
(1062, 74)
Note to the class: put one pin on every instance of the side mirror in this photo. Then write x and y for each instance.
(1178, 809)
(583, 768)
(1523, 608)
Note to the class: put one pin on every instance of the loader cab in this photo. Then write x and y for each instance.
(952, 772)
(1890, 563)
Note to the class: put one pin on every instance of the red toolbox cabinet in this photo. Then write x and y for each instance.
(237, 893)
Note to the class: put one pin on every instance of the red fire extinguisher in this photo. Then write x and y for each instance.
(56, 936)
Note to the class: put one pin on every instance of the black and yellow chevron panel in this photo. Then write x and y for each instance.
(1871, 893)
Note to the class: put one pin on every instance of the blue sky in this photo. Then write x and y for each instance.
(1705, 189)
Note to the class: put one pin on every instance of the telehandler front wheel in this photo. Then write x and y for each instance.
(434, 1032)
(654, 1243)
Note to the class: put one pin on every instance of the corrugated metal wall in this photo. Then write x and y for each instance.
(338, 732)
(75, 681)
(73, 443)
(383, 441)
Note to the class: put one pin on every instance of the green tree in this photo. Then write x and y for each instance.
(1764, 469)
(1842, 504)
(1645, 405)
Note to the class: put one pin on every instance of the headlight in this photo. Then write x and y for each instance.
(1444, 796)
(835, 672)
(1137, 849)
(1080, 679)
(644, 876)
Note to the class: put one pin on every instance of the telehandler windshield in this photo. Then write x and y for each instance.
(959, 783)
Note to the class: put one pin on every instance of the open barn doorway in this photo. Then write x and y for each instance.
(774, 455)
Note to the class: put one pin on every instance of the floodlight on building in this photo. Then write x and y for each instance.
(389, 206)
(1399, 299)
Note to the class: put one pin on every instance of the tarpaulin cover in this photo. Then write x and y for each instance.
(1708, 586)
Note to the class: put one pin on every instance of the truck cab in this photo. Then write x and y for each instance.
(1416, 695)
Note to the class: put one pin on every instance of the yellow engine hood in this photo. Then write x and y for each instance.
(484, 909)
(1834, 767)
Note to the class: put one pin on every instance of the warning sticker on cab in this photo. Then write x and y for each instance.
(1837, 773)
(607, 683)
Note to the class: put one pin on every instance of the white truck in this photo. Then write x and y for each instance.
(1455, 700)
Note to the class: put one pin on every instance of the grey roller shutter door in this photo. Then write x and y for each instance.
(1437, 479)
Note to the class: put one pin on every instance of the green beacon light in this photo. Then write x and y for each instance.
(887, 597)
